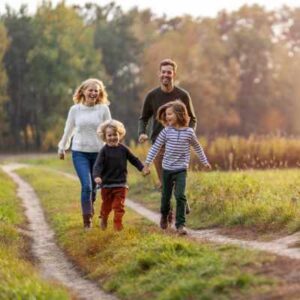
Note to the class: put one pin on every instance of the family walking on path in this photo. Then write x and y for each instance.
(100, 158)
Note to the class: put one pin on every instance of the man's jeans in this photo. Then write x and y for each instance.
(83, 164)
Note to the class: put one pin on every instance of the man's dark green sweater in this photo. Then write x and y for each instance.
(157, 98)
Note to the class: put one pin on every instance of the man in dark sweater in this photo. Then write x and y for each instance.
(157, 97)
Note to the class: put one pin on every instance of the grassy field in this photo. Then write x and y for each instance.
(19, 278)
(141, 262)
(262, 201)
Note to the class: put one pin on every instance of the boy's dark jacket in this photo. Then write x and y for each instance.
(111, 164)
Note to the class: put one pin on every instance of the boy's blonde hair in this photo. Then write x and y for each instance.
(114, 124)
(179, 109)
(78, 96)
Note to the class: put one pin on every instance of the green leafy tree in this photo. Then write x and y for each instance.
(121, 51)
(20, 33)
(3, 94)
(63, 56)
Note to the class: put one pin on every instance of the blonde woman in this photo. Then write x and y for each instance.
(90, 110)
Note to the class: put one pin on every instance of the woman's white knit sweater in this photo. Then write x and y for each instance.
(82, 124)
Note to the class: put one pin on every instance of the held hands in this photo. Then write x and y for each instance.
(207, 167)
(98, 180)
(146, 170)
(142, 138)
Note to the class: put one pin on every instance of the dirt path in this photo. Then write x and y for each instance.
(282, 246)
(52, 261)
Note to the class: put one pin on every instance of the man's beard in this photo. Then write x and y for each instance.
(166, 82)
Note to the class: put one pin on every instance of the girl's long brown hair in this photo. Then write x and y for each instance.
(179, 109)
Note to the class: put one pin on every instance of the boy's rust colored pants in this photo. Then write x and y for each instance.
(113, 199)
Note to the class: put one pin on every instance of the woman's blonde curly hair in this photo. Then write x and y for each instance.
(78, 96)
(115, 125)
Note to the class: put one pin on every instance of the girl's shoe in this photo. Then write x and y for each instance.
(170, 216)
(181, 230)
(163, 222)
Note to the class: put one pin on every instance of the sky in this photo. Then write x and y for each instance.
(170, 8)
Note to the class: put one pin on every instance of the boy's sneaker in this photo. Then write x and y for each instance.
(103, 223)
(163, 222)
(187, 208)
(181, 230)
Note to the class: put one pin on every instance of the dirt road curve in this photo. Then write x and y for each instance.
(52, 261)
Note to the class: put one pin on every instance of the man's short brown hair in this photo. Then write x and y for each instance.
(168, 62)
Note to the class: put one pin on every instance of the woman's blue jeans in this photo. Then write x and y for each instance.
(83, 163)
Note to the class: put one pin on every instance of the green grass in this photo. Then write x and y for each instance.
(263, 201)
(260, 200)
(142, 263)
(18, 277)
(51, 161)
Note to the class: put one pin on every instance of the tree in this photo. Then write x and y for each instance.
(248, 34)
(63, 56)
(286, 71)
(20, 33)
(3, 82)
(204, 69)
(121, 52)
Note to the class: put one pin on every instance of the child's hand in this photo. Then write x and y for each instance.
(98, 180)
(207, 166)
(146, 170)
(142, 138)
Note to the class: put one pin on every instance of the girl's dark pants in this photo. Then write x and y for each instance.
(174, 180)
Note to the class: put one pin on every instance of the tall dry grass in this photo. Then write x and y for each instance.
(240, 153)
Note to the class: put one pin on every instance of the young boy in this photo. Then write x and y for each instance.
(110, 171)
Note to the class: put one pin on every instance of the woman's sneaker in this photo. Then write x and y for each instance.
(181, 230)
